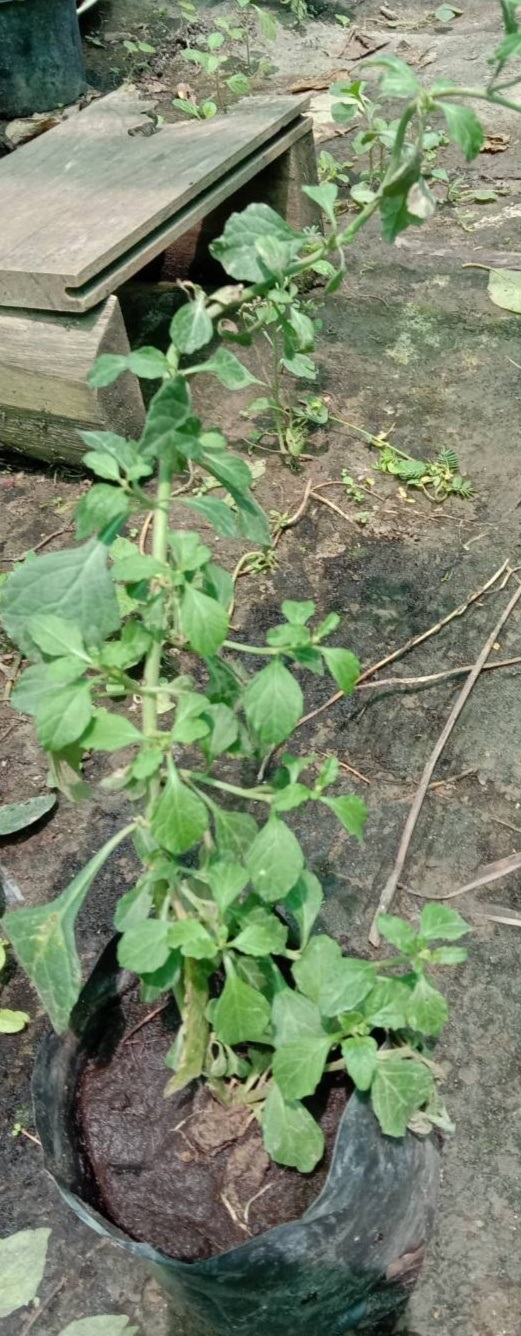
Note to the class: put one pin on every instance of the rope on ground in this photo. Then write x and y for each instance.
(391, 885)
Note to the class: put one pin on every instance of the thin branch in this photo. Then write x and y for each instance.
(491, 872)
(144, 532)
(331, 506)
(6, 561)
(390, 887)
(410, 644)
(431, 679)
(151, 1016)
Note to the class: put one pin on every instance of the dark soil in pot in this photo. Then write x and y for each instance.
(185, 1174)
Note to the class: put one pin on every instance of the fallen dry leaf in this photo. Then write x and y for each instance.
(360, 44)
(315, 84)
(495, 144)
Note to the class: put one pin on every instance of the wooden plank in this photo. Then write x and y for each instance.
(85, 205)
(44, 396)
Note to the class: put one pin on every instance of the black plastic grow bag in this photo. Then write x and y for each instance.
(348, 1262)
(41, 61)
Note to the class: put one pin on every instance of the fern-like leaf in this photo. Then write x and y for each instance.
(448, 459)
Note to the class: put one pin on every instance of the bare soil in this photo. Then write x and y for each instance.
(186, 1174)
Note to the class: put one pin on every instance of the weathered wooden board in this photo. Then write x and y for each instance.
(44, 396)
(87, 204)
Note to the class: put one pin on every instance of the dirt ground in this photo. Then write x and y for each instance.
(411, 342)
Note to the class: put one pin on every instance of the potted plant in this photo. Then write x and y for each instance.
(41, 61)
(284, 1055)
(288, 1040)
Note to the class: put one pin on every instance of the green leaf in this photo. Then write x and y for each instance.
(360, 1057)
(191, 327)
(464, 128)
(400, 1087)
(241, 1014)
(301, 366)
(63, 715)
(228, 370)
(192, 939)
(225, 729)
(397, 932)
(304, 903)
(215, 512)
(273, 703)
(145, 946)
(325, 196)
(298, 613)
(446, 13)
(12, 1022)
(204, 621)
(180, 818)
(102, 506)
(288, 636)
(504, 288)
(75, 584)
(293, 795)
(148, 363)
(347, 986)
(106, 370)
(234, 833)
(427, 1010)
(108, 453)
(386, 1006)
(135, 567)
(17, 816)
(169, 411)
(398, 79)
(298, 1068)
(344, 667)
(262, 935)
(56, 636)
(134, 906)
(267, 24)
(22, 1264)
(108, 1324)
(236, 249)
(295, 1017)
(438, 921)
(189, 552)
(449, 955)
(108, 732)
(319, 960)
(351, 811)
(274, 860)
(238, 84)
(227, 881)
(291, 1135)
(43, 940)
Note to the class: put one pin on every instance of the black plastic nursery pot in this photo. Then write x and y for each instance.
(41, 61)
(349, 1261)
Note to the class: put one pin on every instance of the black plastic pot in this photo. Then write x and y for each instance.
(347, 1263)
(41, 61)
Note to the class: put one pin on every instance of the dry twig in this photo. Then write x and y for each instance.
(491, 872)
(6, 561)
(389, 890)
(410, 644)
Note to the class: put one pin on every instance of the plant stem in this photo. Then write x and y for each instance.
(249, 649)
(153, 659)
(258, 795)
